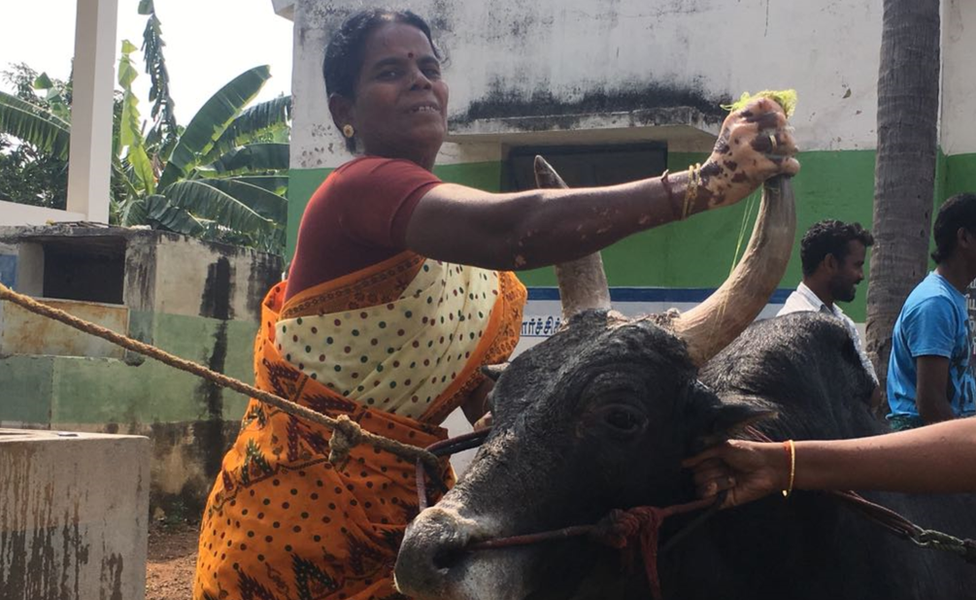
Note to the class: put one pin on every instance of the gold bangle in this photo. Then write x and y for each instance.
(790, 448)
(691, 192)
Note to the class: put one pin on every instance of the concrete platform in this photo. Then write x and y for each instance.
(73, 515)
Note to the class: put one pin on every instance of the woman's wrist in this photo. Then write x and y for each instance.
(779, 461)
(676, 187)
(692, 191)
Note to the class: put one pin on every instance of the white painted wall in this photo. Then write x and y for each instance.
(827, 50)
(182, 266)
(21, 214)
(958, 127)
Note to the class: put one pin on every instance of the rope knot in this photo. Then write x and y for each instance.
(642, 526)
(346, 435)
(617, 529)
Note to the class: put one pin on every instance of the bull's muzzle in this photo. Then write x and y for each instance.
(433, 544)
(434, 563)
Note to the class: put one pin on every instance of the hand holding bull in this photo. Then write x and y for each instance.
(939, 458)
(746, 470)
(755, 144)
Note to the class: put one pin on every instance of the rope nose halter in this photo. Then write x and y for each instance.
(635, 531)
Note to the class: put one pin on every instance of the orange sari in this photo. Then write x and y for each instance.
(281, 522)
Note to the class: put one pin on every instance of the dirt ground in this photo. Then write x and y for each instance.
(171, 560)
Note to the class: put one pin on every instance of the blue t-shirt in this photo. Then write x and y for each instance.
(933, 322)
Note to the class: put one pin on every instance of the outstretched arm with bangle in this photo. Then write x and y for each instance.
(939, 458)
(541, 227)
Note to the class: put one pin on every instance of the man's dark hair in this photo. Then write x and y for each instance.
(958, 211)
(347, 48)
(830, 237)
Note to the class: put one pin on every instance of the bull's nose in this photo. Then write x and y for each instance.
(433, 544)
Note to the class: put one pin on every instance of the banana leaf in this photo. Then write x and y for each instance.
(254, 157)
(267, 204)
(34, 125)
(163, 213)
(207, 202)
(210, 122)
(276, 184)
(252, 123)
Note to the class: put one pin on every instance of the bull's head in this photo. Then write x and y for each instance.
(597, 417)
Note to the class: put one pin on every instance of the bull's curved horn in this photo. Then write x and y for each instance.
(714, 323)
(582, 282)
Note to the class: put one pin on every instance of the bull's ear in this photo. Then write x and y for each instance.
(712, 420)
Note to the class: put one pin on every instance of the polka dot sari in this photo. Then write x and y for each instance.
(281, 522)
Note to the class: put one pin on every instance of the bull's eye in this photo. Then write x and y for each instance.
(624, 419)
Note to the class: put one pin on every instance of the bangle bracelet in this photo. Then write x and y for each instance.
(790, 448)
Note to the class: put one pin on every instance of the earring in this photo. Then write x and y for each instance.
(348, 131)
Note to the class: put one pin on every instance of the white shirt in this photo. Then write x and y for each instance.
(804, 300)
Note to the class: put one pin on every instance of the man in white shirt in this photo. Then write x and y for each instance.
(832, 254)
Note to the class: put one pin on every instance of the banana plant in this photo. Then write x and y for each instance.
(195, 192)
(222, 177)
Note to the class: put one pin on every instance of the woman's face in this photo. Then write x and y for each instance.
(400, 108)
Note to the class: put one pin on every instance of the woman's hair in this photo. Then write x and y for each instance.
(346, 50)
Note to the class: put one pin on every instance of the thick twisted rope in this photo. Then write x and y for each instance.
(346, 433)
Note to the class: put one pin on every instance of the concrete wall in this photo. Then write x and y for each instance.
(23, 332)
(73, 511)
(518, 67)
(578, 72)
(958, 130)
(196, 300)
(12, 214)
(608, 72)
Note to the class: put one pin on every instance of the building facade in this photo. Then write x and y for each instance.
(612, 90)
(197, 300)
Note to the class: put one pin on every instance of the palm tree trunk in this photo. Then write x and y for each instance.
(908, 106)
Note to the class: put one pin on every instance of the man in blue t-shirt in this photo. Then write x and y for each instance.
(929, 374)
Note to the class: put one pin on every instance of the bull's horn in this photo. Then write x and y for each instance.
(582, 282)
(714, 323)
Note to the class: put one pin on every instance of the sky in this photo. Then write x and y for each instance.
(208, 43)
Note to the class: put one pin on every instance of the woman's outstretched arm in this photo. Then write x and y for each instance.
(543, 227)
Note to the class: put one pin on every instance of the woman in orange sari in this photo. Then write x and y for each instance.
(399, 292)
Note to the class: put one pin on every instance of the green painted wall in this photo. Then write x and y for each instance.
(26, 383)
(960, 174)
(699, 252)
(302, 183)
(97, 391)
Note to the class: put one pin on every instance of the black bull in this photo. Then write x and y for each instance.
(600, 416)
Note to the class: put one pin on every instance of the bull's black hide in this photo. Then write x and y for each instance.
(805, 365)
(600, 416)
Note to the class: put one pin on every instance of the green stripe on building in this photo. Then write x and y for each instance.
(700, 252)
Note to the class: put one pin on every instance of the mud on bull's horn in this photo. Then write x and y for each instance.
(713, 324)
(582, 282)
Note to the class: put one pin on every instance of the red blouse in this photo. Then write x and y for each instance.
(358, 217)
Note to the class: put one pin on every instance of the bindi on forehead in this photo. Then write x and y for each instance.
(409, 54)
